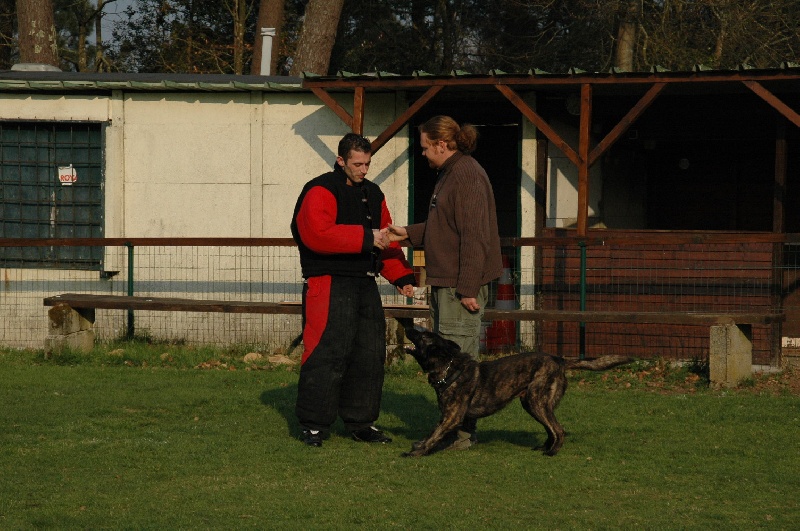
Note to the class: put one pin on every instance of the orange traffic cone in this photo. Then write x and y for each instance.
(501, 335)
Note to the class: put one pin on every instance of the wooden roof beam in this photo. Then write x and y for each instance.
(334, 106)
(539, 122)
(538, 81)
(356, 121)
(626, 122)
(583, 158)
(404, 118)
(774, 101)
(358, 111)
(584, 138)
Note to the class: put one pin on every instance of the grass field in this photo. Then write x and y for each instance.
(169, 438)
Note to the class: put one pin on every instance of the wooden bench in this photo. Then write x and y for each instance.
(169, 304)
(730, 358)
(72, 315)
(126, 302)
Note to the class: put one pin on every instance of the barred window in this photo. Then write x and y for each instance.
(51, 186)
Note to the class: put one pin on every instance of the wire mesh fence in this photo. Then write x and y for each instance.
(257, 272)
(707, 277)
(730, 275)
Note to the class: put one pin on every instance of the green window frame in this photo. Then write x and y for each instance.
(35, 203)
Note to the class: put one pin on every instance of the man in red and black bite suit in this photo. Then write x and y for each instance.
(337, 225)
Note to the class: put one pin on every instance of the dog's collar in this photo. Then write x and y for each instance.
(447, 381)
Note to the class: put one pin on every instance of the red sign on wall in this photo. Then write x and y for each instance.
(67, 175)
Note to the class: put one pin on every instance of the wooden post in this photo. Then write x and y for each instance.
(778, 227)
(358, 111)
(583, 159)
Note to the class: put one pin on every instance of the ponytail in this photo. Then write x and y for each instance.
(458, 138)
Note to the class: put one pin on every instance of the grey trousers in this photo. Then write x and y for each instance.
(454, 322)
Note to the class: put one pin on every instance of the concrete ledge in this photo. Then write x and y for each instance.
(730, 357)
(82, 340)
(70, 329)
(65, 320)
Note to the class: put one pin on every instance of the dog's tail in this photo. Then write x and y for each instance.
(294, 344)
(599, 364)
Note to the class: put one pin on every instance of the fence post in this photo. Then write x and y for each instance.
(131, 325)
(582, 329)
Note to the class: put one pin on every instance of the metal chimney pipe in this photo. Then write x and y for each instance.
(266, 50)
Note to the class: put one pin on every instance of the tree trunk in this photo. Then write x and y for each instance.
(37, 32)
(270, 15)
(317, 37)
(82, 59)
(239, 13)
(7, 12)
(99, 55)
(190, 25)
(723, 12)
(447, 34)
(626, 36)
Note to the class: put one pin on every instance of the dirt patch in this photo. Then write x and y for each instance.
(784, 382)
(668, 378)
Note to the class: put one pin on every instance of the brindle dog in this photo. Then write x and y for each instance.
(469, 389)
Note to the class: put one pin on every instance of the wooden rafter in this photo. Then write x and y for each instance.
(403, 119)
(333, 105)
(773, 100)
(626, 122)
(583, 159)
(358, 111)
(539, 122)
(584, 156)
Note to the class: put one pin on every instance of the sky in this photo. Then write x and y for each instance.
(114, 13)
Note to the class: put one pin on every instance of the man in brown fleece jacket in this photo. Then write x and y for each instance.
(462, 245)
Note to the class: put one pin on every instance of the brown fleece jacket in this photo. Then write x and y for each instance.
(462, 245)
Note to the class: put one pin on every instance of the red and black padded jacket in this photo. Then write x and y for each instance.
(332, 225)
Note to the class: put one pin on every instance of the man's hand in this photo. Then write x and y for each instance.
(470, 303)
(380, 239)
(407, 290)
(395, 233)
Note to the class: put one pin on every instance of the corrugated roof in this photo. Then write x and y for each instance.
(536, 72)
(16, 81)
(573, 75)
(784, 79)
(48, 81)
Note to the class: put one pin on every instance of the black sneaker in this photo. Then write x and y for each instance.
(370, 435)
(312, 438)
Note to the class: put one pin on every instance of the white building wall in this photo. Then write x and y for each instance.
(213, 164)
(187, 165)
(225, 164)
(562, 182)
(46, 106)
(300, 140)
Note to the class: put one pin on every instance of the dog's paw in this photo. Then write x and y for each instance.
(413, 453)
(549, 449)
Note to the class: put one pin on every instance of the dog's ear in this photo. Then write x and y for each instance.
(413, 335)
(406, 322)
(445, 344)
(453, 345)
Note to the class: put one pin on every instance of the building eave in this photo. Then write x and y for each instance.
(20, 81)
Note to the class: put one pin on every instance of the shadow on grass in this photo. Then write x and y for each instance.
(416, 417)
(414, 412)
(282, 399)
(532, 438)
